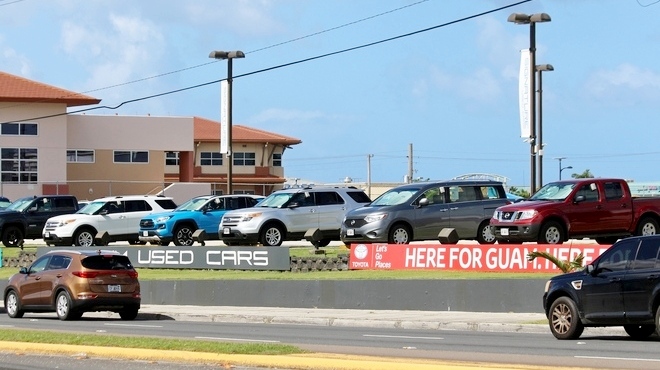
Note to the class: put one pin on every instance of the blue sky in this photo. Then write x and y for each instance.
(451, 91)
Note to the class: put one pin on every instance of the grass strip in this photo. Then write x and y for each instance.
(38, 336)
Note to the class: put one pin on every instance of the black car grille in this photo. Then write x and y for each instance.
(146, 224)
(354, 223)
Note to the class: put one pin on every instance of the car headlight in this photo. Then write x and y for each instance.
(250, 216)
(65, 222)
(547, 285)
(527, 214)
(376, 217)
(496, 215)
(162, 219)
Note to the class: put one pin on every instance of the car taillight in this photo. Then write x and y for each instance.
(86, 274)
(133, 274)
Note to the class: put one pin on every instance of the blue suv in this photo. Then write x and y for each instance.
(204, 212)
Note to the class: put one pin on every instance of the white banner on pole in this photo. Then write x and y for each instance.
(525, 94)
(224, 117)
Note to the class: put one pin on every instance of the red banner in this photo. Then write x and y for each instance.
(470, 257)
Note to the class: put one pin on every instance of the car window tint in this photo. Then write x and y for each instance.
(492, 192)
(136, 206)
(166, 203)
(590, 193)
(359, 196)
(327, 198)
(617, 258)
(647, 255)
(59, 262)
(433, 195)
(303, 199)
(462, 193)
(103, 262)
(613, 190)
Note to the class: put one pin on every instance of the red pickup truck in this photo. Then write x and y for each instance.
(602, 209)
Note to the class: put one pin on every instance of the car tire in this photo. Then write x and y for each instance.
(64, 307)
(399, 234)
(271, 235)
(183, 236)
(13, 305)
(564, 319)
(84, 237)
(639, 331)
(129, 313)
(12, 236)
(551, 233)
(607, 240)
(321, 243)
(485, 234)
(647, 226)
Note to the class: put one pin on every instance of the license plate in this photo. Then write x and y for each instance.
(226, 231)
(46, 234)
(145, 233)
(350, 232)
(504, 232)
(114, 288)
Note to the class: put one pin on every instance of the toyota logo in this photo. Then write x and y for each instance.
(352, 222)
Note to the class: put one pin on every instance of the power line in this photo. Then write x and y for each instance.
(291, 63)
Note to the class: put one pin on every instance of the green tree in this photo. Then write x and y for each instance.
(564, 266)
(584, 175)
(519, 192)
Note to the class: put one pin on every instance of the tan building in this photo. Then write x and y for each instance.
(44, 150)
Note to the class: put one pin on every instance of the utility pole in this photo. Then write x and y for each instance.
(369, 175)
(410, 163)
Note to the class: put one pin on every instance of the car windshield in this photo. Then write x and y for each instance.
(91, 208)
(394, 196)
(194, 204)
(275, 200)
(20, 204)
(554, 191)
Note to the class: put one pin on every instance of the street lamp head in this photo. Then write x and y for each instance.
(217, 54)
(545, 67)
(520, 18)
(569, 167)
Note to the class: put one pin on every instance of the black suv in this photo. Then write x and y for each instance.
(620, 288)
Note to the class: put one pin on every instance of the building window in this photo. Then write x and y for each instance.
(19, 128)
(80, 156)
(130, 156)
(277, 160)
(249, 192)
(244, 159)
(171, 158)
(18, 165)
(210, 158)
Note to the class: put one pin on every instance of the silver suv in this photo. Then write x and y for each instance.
(289, 214)
(420, 211)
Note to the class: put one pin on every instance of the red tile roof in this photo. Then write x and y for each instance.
(18, 89)
(207, 130)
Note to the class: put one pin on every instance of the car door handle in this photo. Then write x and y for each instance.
(453, 208)
(615, 279)
(444, 210)
(37, 278)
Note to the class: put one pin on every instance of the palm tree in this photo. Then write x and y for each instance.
(564, 266)
(584, 175)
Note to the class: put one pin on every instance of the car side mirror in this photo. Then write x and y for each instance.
(293, 205)
(23, 271)
(591, 270)
(579, 198)
(423, 202)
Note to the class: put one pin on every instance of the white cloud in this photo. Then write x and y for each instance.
(13, 61)
(246, 17)
(625, 83)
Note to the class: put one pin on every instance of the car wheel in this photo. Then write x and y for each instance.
(13, 305)
(12, 237)
(639, 331)
(128, 313)
(271, 236)
(321, 243)
(399, 234)
(485, 233)
(647, 226)
(183, 236)
(551, 233)
(64, 307)
(84, 238)
(163, 243)
(564, 320)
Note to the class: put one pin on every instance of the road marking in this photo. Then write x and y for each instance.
(401, 337)
(240, 339)
(135, 325)
(619, 358)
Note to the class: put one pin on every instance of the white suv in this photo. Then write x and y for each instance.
(289, 214)
(119, 217)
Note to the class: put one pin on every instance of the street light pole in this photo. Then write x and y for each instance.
(562, 169)
(229, 55)
(540, 68)
(532, 19)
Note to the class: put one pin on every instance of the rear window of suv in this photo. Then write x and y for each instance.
(107, 263)
(166, 203)
(358, 196)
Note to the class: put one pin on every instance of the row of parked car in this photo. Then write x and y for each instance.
(407, 213)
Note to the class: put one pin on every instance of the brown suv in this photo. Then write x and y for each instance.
(73, 282)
